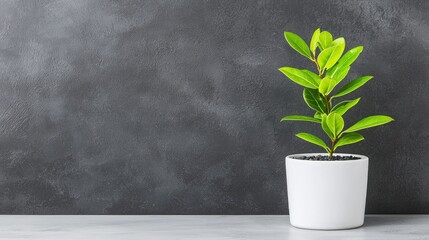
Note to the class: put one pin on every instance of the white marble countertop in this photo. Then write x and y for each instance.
(384, 227)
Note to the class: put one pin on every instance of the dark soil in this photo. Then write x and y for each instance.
(326, 158)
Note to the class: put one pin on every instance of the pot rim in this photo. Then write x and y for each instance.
(362, 157)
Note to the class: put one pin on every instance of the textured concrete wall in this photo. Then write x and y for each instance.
(172, 107)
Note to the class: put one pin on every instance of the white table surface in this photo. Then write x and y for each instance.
(386, 227)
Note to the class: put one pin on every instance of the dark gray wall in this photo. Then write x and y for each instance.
(172, 107)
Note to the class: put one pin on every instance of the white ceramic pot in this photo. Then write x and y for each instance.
(326, 195)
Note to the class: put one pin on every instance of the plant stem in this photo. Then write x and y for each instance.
(331, 152)
(328, 104)
(318, 67)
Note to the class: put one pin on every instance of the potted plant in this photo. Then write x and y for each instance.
(327, 190)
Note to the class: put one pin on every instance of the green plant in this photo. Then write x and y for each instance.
(332, 67)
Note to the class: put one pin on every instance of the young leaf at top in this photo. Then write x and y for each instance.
(335, 123)
(338, 46)
(300, 118)
(325, 40)
(327, 85)
(342, 107)
(300, 77)
(314, 100)
(297, 43)
(313, 139)
(345, 61)
(353, 85)
(348, 138)
(314, 41)
(326, 128)
(368, 122)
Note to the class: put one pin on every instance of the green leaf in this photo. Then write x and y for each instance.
(346, 60)
(335, 123)
(353, 85)
(314, 41)
(342, 107)
(300, 118)
(348, 138)
(313, 75)
(341, 74)
(300, 77)
(327, 85)
(368, 122)
(323, 57)
(312, 139)
(314, 100)
(325, 40)
(350, 56)
(297, 43)
(326, 128)
(338, 48)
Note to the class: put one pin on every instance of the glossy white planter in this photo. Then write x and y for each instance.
(326, 195)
